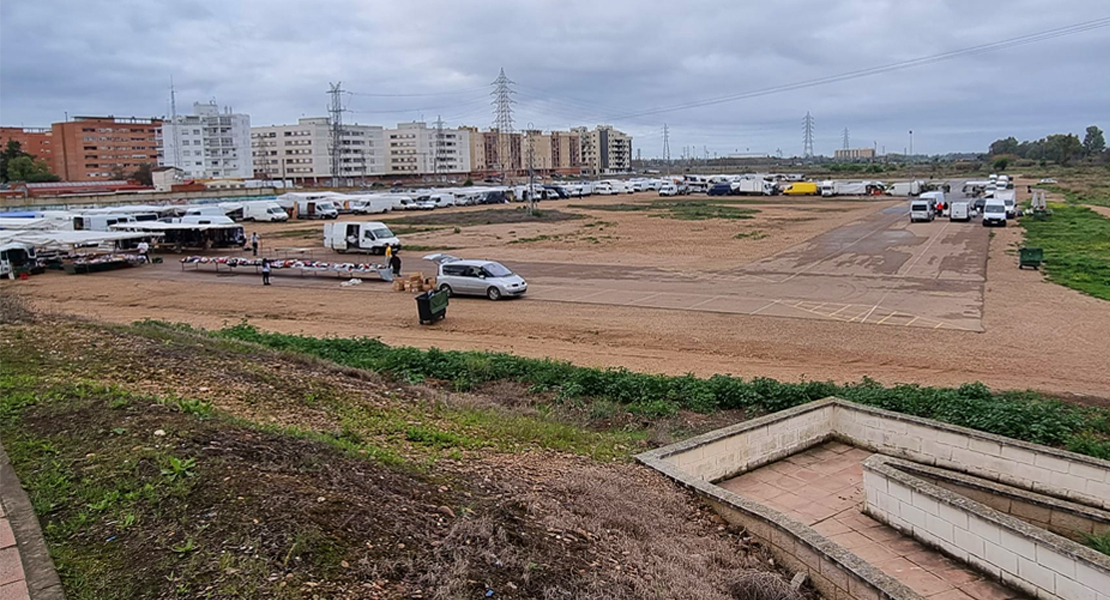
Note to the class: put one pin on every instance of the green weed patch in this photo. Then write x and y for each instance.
(1076, 243)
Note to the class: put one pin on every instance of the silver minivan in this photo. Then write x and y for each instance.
(477, 278)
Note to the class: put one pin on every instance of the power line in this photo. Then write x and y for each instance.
(916, 62)
(450, 93)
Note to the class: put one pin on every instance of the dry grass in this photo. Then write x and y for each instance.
(598, 541)
(14, 309)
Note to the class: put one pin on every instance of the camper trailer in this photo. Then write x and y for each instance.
(359, 236)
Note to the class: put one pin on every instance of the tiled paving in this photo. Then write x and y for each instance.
(823, 488)
(13, 585)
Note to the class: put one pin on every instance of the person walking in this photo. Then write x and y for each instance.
(395, 264)
(254, 244)
(265, 271)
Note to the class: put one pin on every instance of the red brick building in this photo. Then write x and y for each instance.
(36, 141)
(91, 148)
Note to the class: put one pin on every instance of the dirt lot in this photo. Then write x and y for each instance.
(804, 288)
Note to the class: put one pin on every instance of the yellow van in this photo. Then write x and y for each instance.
(801, 188)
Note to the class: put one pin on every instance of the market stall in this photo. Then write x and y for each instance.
(302, 267)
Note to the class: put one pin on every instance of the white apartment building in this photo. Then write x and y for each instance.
(416, 149)
(604, 150)
(303, 151)
(207, 144)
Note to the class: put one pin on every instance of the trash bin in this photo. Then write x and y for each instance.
(432, 306)
(1030, 257)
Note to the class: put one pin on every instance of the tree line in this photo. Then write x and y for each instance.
(1061, 148)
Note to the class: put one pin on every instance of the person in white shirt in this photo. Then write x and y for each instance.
(144, 251)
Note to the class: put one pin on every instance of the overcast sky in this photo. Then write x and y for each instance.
(575, 62)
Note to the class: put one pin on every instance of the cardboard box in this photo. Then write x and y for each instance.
(398, 285)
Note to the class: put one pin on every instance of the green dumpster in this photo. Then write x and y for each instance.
(432, 306)
(1030, 257)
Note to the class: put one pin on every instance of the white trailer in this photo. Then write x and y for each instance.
(359, 236)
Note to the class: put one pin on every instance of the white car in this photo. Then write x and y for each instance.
(1048, 180)
(477, 278)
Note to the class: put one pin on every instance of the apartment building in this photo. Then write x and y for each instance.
(96, 148)
(604, 149)
(485, 150)
(854, 154)
(416, 149)
(208, 144)
(36, 141)
(554, 152)
(303, 152)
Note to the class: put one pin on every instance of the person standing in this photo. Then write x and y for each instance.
(395, 263)
(144, 251)
(265, 271)
(254, 243)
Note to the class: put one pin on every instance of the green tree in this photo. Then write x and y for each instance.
(12, 150)
(1000, 164)
(1006, 146)
(1063, 147)
(142, 174)
(1093, 142)
(27, 168)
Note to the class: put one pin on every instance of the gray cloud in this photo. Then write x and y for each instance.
(575, 62)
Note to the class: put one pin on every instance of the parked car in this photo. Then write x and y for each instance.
(477, 277)
(1048, 180)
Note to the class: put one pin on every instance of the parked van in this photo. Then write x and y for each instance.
(366, 205)
(801, 188)
(959, 211)
(922, 209)
(994, 213)
(603, 188)
(359, 236)
(317, 209)
(15, 257)
(264, 211)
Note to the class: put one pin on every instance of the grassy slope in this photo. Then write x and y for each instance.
(164, 464)
(1076, 241)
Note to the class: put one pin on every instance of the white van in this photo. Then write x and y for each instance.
(959, 211)
(264, 211)
(317, 209)
(994, 213)
(922, 209)
(366, 205)
(359, 236)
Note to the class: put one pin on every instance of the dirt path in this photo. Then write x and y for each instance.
(1035, 334)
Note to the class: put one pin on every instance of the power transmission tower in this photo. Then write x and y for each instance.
(503, 121)
(336, 111)
(666, 144)
(439, 150)
(846, 142)
(807, 147)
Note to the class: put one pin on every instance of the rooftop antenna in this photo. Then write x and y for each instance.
(174, 126)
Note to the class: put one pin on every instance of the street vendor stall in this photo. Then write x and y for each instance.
(179, 236)
(302, 267)
(80, 251)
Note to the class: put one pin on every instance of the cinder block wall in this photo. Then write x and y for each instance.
(1023, 556)
(1045, 470)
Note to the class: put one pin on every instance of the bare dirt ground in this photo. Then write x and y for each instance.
(978, 318)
